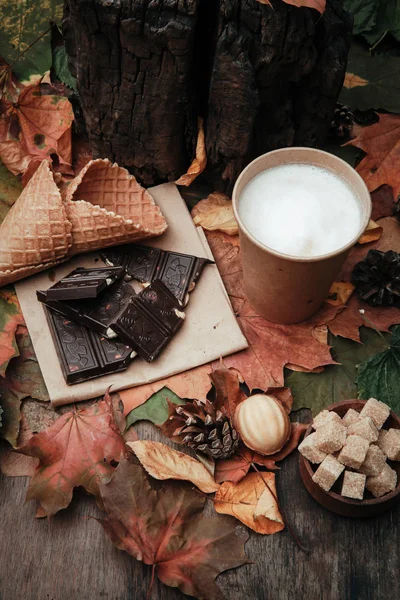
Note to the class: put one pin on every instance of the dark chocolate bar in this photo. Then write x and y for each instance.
(150, 320)
(84, 283)
(179, 272)
(95, 313)
(85, 354)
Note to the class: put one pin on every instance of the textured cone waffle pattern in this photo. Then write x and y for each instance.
(103, 206)
(107, 206)
(36, 233)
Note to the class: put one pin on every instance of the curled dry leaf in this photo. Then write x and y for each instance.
(383, 202)
(252, 501)
(14, 464)
(199, 162)
(235, 468)
(163, 462)
(75, 451)
(227, 390)
(351, 81)
(215, 213)
(10, 318)
(339, 293)
(166, 529)
(371, 234)
(271, 346)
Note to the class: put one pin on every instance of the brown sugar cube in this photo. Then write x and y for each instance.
(310, 451)
(377, 411)
(350, 417)
(374, 461)
(354, 451)
(383, 483)
(381, 436)
(364, 428)
(353, 485)
(328, 472)
(331, 437)
(325, 417)
(390, 444)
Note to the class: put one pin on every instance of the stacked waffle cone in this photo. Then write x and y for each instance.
(103, 206)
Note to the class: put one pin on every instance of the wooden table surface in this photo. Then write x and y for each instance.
(69, 556)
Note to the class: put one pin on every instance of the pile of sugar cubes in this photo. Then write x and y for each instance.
(357, 445)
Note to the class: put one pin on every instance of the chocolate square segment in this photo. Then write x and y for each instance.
(85, 354)
(150, 320)
(96, 313)
(178, 271)
(84, 283)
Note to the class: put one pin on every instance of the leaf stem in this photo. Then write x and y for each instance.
(371, 324)
(153, 572)
(285, 520)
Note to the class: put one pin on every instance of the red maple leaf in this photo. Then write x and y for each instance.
(75, 451)
(166, 529)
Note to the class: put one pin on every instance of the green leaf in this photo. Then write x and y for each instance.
(155, 409)
(336, 382)
(387, 21)
(379, 376)
(376, 83)
(61, 69)
(22, 23)
(10, 189)
(365, 14)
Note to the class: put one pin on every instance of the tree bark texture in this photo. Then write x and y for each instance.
(262, 78)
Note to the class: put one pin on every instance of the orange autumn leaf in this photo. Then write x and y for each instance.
(35, 126)
(215, 213)
(10, 318)
(319, 5)
(163, 462)
(381, 142)
(200, 160)
(371, 234)
(252, 501)
(236, 467)
(340, 292)
(167, 529)
(75, 451)
(271, 346)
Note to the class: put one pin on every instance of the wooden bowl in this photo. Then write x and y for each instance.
(332, 500)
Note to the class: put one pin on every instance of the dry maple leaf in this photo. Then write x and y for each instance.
(75, 451)
(349, 320)
(252, 501)
(227, 390)
(235, 468)
(372, 233)
(381, 142)
(383, 202)
(200, 160)
(10, 318)
(340, 293)
(215, 213)
(319, 5)
(163, 462)
(271, 346)
(166, 529)
(351, 81)
(35, 126)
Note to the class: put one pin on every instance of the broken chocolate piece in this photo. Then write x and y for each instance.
(150, 320)
(85, 354)
(95, 313)
(179, 272)
(84, 283)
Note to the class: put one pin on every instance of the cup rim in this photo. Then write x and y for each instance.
(291, 257)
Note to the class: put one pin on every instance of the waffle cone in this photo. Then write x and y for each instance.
(103, 206)
(106, 206)
(36, 233)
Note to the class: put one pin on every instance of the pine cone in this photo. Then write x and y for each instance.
(343, 120)
(198, 425)
(377, 278)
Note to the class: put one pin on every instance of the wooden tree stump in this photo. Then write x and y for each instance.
(262, 78)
